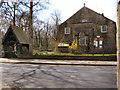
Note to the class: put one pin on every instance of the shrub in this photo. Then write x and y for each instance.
(73, 47)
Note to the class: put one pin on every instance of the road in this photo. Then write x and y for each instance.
(48, 76)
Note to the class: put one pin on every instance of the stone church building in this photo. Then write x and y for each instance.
(93, 32)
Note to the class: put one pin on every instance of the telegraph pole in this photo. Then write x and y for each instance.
(118, 44)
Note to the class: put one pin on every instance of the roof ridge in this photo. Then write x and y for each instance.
(98, 13)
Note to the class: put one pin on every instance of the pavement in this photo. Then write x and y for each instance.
(58, 62)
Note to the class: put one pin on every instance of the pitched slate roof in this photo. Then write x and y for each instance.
(79, 13)
(19, 33)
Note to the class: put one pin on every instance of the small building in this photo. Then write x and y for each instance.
(93, 32)
(14, 42)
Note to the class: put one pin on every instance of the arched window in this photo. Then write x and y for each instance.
(82, 39)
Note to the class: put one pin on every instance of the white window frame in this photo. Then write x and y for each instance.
(67, 28)
(102, 28)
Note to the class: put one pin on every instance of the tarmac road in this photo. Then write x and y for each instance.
(49, 76)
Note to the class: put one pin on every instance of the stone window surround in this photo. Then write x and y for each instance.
(78, 40)
(67, 30)
(105, 28)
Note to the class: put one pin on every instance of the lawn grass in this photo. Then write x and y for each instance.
(67, 54)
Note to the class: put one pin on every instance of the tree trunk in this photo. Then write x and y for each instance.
(56, 47)
(30, 28)
(46, 42)
(39, 43)
(14, 15)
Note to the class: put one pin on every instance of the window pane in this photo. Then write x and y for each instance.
(100, 46)
(96, 45)
(100, 42)
(104, 28)
(86, 40)
(84, 20)
(81, 39)
(94, 42)
(67, 30)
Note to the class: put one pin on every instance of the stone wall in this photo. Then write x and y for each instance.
(65, 57)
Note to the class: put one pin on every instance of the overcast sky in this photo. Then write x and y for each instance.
(69, 7)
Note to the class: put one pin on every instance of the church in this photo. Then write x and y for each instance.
(92, 31)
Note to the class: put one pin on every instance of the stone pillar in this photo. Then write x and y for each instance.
(118, 45)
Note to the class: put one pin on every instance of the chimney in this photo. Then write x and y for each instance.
(102, 14)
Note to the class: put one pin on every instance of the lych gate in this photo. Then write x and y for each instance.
(15, 42)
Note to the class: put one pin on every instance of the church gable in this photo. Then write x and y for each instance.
(87, 15)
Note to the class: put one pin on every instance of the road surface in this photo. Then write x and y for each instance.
(48, 76)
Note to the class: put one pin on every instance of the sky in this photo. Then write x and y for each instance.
(70, 7)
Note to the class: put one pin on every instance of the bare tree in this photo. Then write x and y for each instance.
(24, 12)
(38, 27)
(56, 17)
(34, 7)
(46, 34)
(9, 10)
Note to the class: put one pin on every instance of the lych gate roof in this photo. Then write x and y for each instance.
(19, 34)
